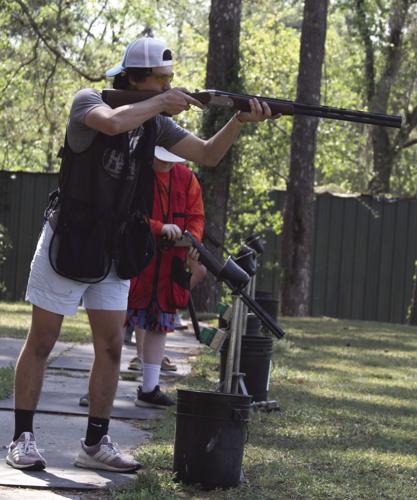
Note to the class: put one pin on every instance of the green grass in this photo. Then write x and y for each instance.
(15, 322)
(6, 382)
(347, 429)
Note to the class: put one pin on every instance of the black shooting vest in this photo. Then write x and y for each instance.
(103, 208)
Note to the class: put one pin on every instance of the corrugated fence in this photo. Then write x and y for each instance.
(23, 198)
(364, 249)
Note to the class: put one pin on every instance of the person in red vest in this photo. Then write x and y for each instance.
(164, 285)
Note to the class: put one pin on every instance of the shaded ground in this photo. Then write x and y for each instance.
(60, 421)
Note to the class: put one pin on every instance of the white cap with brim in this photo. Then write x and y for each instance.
(164, 155)
(145, 52)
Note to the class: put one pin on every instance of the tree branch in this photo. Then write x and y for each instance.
(90, 26)
(393, 59)
(53, 49)
(369, 49)
(410, 143)
(45, 88)
(22, 65)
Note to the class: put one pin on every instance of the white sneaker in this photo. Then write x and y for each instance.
(135, 364)
(23, 453)
(106, 456)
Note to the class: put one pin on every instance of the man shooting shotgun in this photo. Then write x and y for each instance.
(241, 102)
(96, 236)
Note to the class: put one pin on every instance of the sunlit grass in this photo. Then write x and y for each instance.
(15, 321)
(347, 428)
(6, 381)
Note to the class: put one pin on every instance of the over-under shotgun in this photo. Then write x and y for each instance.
(116, 98)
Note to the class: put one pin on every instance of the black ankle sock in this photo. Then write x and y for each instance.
(23, 422)
(97, 428)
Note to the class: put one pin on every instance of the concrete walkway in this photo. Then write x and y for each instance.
(60, 422)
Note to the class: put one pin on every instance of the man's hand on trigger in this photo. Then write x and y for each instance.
(176, 101)
(171, 231)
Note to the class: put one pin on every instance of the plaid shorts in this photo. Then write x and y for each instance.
(151, 319)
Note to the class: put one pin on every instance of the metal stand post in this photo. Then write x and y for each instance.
(250, 290)
(231, 378)
(234, 378)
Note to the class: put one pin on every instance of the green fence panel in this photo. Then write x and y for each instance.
(24, 197)
(363, 258)
(320, 255)
(347, 258)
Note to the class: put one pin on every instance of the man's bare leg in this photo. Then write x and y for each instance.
(107, 328)
(97, 450)
(44, 332)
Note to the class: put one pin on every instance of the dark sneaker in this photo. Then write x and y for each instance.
(156, 398)
(23, 453)
(84, 400)
(105, 456)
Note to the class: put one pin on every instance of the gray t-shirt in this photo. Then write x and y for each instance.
(80, 136)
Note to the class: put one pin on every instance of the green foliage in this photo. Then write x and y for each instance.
(5, 246)
(51, 49)
(267, 54)
(6, 381)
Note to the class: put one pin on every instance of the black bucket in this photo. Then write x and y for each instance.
(210, 433)
(255, 361)
(267, 302)
(253, 325)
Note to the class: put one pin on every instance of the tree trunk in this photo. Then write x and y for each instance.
(378, 92)
(297, 238)
(383, 161)
(222, 73)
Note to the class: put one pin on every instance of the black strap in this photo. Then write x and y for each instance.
(194, 319)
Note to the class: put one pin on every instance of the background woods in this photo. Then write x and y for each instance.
(222, 73)
(50, 49)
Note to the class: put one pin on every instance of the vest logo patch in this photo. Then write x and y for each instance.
(113, 160)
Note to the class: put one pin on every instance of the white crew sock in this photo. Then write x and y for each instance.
(150, 376)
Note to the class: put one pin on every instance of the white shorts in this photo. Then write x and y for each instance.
(48, 290)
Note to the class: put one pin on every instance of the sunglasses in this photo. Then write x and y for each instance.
(162, 78)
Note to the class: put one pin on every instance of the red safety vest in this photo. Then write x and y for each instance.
(165, 280)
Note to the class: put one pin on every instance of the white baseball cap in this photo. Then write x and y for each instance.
(144, 52)
(164, 155)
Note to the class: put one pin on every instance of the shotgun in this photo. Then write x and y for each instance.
(240, 102)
